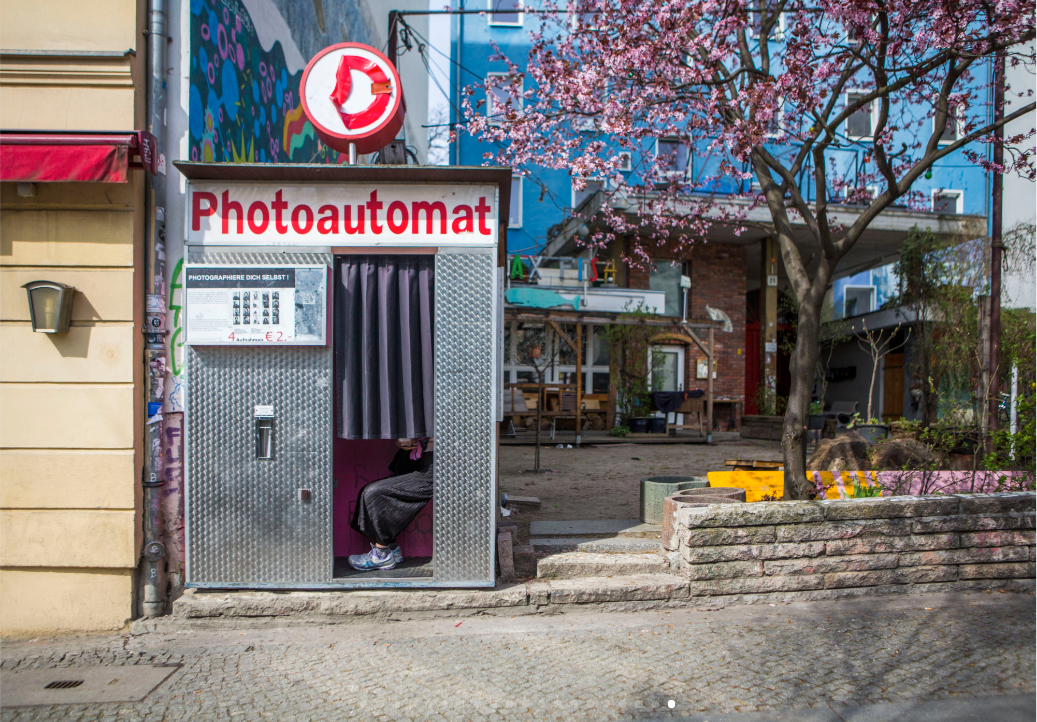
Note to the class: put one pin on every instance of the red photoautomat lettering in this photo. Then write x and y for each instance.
(260, 208)
(463, 222)
(373, 206)
(328, 221)
(307, 224)
(400, 208)
(197, 212)
(279, 205)
(430, 209)
(347, 219)
(228, 206)
(482, 209)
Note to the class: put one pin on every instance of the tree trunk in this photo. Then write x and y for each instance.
(801, 367)
(871, 387)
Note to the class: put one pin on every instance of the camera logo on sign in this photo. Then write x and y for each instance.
(351, 93)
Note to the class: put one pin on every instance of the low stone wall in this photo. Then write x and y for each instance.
(938, 542)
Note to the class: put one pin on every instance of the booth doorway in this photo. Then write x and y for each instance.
(384, 391)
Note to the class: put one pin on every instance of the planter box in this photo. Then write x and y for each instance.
(762, 427)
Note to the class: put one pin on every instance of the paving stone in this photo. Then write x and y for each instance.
(607, 545)
(825, 565)
(1023, 570)
(928, 525)
(998, 503)
(721, 570)
(965, 556)
(632, 588)
(907, 575)
(843, 530)
(525, 561)
(750, 585)
(998, 539)
(916, 542)
(890, 507)
(756, 514)
(702, 555)
(583, 564)
(718, 537)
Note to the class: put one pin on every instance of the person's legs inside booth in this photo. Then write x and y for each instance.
(386, 507)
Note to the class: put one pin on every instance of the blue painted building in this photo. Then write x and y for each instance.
(727, 272)
(545, 197)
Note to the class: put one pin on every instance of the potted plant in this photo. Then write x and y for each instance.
(638, 424)
(873, 430)
(630, 376)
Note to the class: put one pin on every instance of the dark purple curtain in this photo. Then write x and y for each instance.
(383, 345)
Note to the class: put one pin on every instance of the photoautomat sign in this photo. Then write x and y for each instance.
(341, 214)
(262, 305)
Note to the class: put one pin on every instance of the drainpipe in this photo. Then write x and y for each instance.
(153, 567)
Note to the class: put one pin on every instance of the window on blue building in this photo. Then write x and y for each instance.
(505, 12)
(860, 125)
(858, 300)
(773, 129)
(673, 155)
(777, 29)
(950, 133)
(947, 203)
(582, 17)
(498, 99)
(515, 209)
(592, 187)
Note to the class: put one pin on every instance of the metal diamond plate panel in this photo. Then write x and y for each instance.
(465, 433)
(246, 522)
(199, 258)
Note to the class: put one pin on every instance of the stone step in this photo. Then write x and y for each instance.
(569, 565)
(600, 545)
(632, 528)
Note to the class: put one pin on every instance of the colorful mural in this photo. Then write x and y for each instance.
(244, 99)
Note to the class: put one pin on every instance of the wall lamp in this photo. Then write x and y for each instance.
(50, 306)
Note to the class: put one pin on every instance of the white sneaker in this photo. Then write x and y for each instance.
(377, 558)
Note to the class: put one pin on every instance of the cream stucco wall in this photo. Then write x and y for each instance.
(71, 404)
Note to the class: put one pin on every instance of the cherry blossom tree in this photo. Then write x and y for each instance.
(768, 97)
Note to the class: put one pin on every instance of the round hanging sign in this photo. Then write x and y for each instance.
(352, 94)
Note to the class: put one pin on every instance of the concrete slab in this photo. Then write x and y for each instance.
(581, 564)
(81, 685)
(596, 527)
(600, 545)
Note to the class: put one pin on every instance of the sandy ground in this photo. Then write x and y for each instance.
(601, 482)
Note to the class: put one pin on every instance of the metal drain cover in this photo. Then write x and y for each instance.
(81, 685)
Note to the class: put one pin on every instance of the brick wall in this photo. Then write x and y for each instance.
(831, 549)
(718, 279)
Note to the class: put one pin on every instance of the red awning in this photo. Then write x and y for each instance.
(40, 157)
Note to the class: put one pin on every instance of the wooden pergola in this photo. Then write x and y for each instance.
(671, 328)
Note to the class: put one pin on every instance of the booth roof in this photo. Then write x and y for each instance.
(316, 172)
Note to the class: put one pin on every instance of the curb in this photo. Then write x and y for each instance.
(216, 610)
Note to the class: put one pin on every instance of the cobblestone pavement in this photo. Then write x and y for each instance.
(583, 665)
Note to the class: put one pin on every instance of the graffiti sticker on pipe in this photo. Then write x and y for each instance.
(262, 305)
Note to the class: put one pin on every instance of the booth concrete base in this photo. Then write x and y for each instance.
(248, 609)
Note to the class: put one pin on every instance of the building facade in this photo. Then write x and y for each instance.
(74, 405)
(728, 273)
(72, 78)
